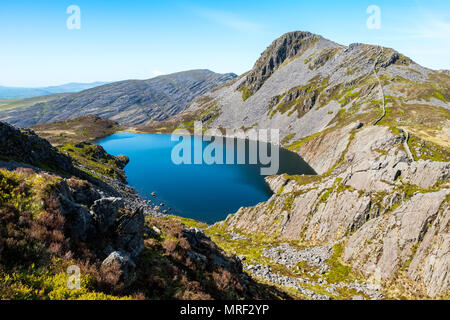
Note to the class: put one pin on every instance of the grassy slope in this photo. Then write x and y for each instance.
(82, 129)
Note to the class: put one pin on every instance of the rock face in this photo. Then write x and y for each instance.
(105, 211)
(99, 218)
(130, 102)
(129, 233)
(25, 146)
(388, 215)
(286, 47)
(124, 264)
(383, 245)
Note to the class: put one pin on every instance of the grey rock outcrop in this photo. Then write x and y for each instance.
(122, 233)
(85, 194)
(383, 245)
(130, 230)
(78, 220)
(131, 102)
(286, 47)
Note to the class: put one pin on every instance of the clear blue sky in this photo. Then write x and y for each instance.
(140, 39)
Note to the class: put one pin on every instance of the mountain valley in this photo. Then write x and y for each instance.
(373, 224)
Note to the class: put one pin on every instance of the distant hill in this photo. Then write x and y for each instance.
(130, 102)
(19, 93)
(82, 129)
(27, 102)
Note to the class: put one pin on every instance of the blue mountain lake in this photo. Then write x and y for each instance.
(207, 193)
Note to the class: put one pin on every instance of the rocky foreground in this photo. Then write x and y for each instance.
(57, 212)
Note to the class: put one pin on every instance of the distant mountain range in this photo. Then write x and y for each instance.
(130, 102)
(19, 93)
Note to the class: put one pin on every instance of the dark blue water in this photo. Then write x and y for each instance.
(203, 192)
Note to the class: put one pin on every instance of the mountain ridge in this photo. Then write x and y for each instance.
(127, 102)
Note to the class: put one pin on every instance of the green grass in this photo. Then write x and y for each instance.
(350, 96)
(246, 93)
(428, 150)
(296, 145)
(324, 197)
(439, 96)
(339, 272)
(92, 157)
(288, 138)
(49, 284)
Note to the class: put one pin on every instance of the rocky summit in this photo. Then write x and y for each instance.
(130, 102)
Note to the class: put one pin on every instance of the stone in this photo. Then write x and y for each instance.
(124, 264)
(129, 230)
(289, 256)
(195, 236)
(79, 224)
(156, 230)
(85, 195)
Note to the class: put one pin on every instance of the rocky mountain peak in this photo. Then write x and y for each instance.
(318, 52)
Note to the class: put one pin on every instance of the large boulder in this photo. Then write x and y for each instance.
(195, 236)
(105, 212)
(82, 191)
(79, 225)
(119, 264)
(130, 229)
